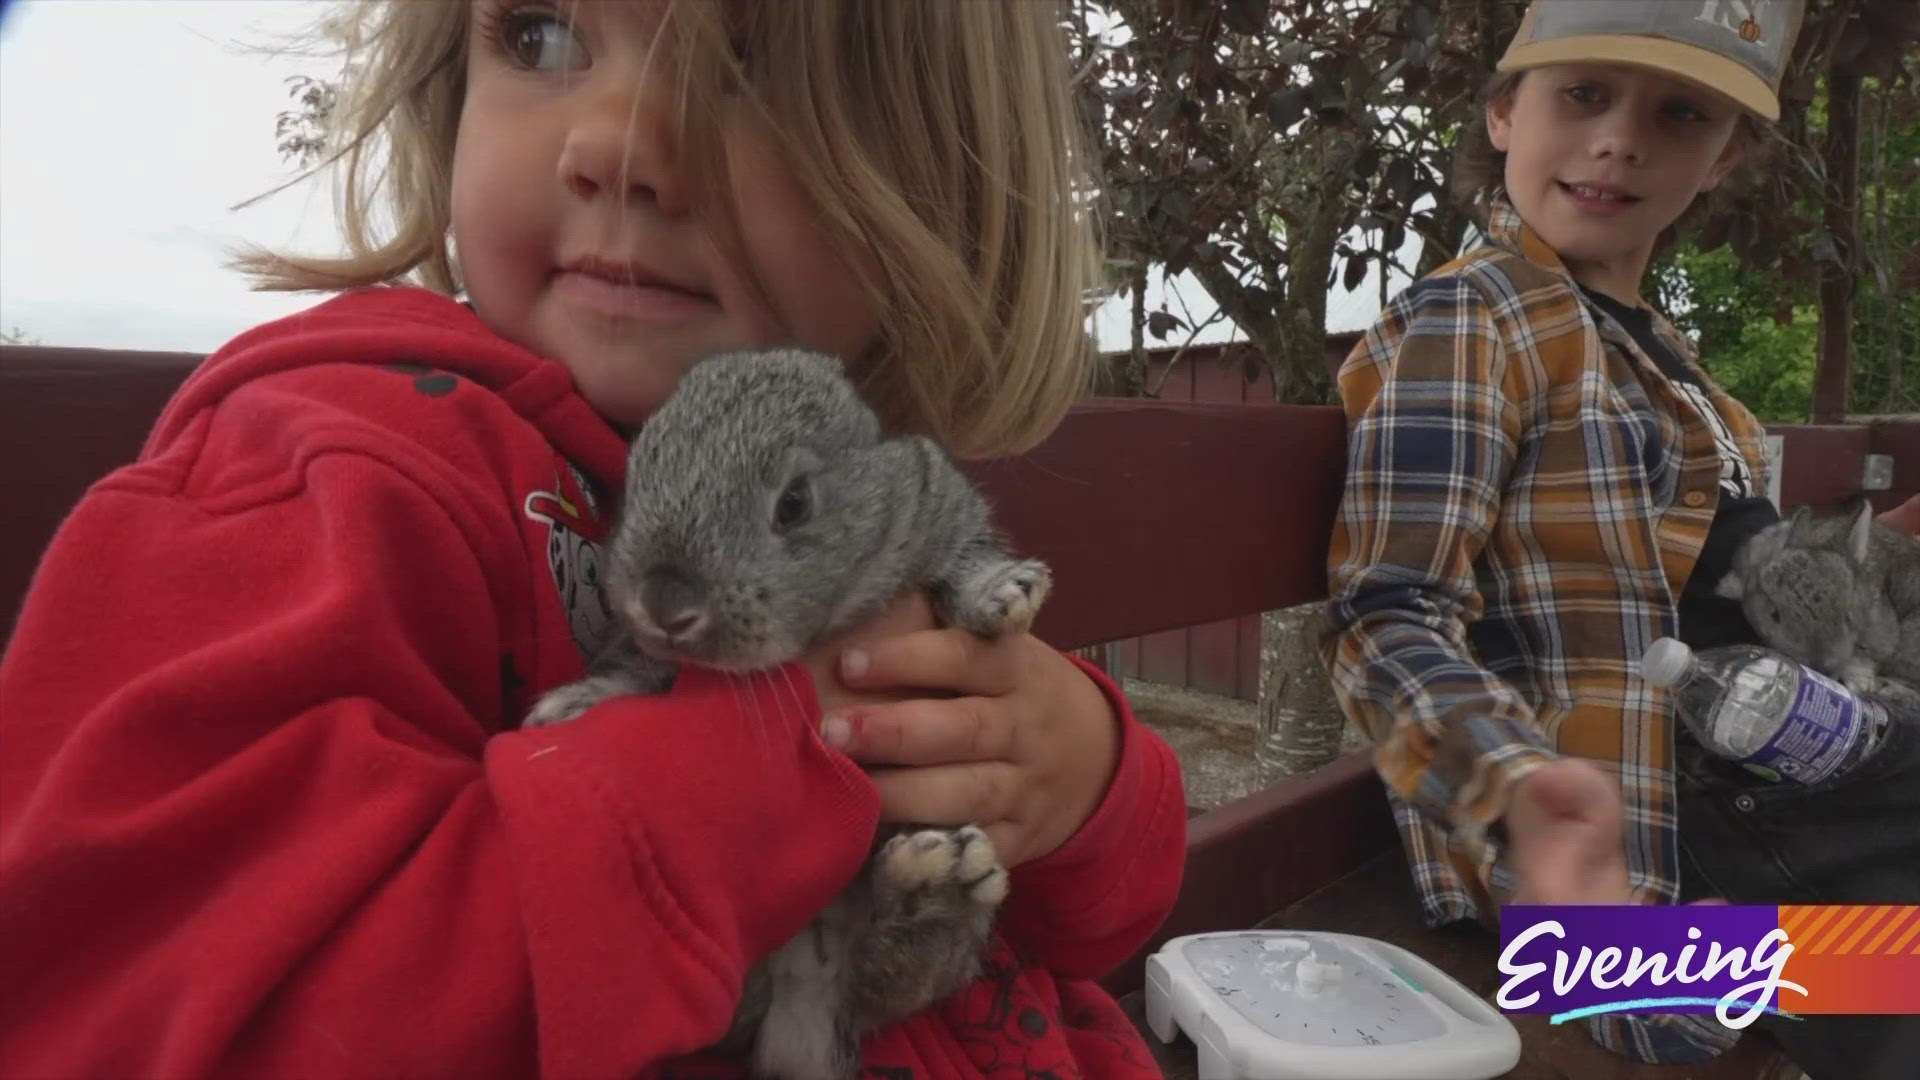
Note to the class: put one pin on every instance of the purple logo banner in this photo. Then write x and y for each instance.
(1574, 961)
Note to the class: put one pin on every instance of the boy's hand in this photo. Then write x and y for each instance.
(1905, 517)
(1564, 837)
(1024, 747)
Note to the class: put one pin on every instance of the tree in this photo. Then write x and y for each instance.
(13, 335)
(1245, 140)
(1759, 343)
(301, 132)
(1828, 228)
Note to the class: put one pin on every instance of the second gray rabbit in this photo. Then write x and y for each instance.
(765, 514)
(1839, 592)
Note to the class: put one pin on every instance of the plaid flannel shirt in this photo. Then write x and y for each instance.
(1526, 495)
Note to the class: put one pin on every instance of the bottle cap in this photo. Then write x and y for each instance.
(1665, 661)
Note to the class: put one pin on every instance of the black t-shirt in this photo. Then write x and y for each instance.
(1706, 619)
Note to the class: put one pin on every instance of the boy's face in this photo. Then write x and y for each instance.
(573, 216)
(1602, 157)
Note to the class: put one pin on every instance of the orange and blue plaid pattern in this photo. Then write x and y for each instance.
(1526, 496)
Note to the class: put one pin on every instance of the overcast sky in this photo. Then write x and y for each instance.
(128, 131)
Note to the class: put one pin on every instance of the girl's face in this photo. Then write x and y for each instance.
(1602, 157)
(573, 216)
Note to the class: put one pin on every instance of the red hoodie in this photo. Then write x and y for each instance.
(264, 809)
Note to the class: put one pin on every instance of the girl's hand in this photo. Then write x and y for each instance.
(909, 611)
(1022, 744)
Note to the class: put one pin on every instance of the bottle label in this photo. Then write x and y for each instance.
(1816, 739)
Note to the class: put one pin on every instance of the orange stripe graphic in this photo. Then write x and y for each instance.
(1813, 925)
(1797, 921)
(1874, 915)
(1790, 920)
(1848, 916)
(1901, 917)
(1900, 945)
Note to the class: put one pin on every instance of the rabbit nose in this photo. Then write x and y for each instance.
(683, 624)
(678, 605)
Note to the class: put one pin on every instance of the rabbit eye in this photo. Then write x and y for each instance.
(795, 505)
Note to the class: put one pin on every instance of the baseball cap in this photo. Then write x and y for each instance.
(1737, 47)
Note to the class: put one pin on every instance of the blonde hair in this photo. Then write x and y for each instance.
(938, 140)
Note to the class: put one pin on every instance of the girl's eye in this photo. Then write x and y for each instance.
(1584, 94)
(794, 507)
(1680, 110)
(541, 42)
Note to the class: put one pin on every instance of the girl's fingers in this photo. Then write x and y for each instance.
(923, 731)
(951, 660)
(973, 793)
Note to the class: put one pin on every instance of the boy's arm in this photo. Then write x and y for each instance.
(1432, 434)
(256, 818)
(1089, 904)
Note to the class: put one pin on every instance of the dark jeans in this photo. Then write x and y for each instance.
(1854, 840)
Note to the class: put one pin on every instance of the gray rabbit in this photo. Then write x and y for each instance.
(1840, 592)
(764, 514)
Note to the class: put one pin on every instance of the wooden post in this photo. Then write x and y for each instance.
(1839, 276)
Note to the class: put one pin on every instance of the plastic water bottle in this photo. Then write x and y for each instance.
(1772, 714)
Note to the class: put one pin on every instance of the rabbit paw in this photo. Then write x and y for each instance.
(1860, 676)
(1003, 598)
(619, 669)
(1897, 696)
(935, 870)
(934, 896)
(566, 702)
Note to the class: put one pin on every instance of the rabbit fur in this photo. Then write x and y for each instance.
(764, 514)
(1840, 592)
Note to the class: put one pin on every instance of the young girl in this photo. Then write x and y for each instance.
(1542, 481)
(265, 806)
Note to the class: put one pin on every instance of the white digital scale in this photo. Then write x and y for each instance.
(1308, 1005)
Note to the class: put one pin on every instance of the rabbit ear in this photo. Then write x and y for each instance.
(1799, 521)
(1731, 586)
(1860, 533)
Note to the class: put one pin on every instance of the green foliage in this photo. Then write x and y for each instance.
(1886, 349)
(1886, 326)
(1759, 343)
(1746, 284)
(1769, 366)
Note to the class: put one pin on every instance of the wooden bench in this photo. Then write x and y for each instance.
(1153, 515)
